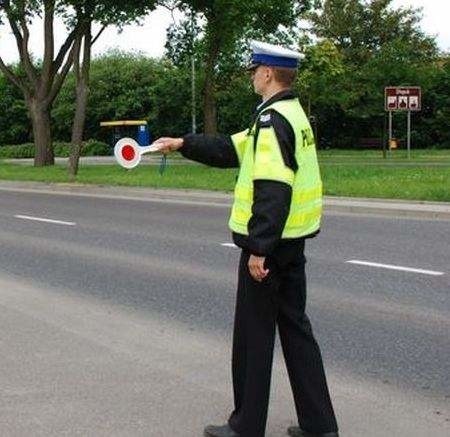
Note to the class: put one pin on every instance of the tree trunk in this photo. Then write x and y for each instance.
(40, 119)
(82, 93)
(78, 127)
(209, 105)
(209, 101)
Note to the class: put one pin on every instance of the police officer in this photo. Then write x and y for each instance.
(277, 206)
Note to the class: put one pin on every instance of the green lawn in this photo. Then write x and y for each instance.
(413, 182)
(176, 176)
(376, 156)
(417, 183)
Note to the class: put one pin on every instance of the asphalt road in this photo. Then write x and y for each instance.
(119, 321)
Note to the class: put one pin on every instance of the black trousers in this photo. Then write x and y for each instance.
(278, 301)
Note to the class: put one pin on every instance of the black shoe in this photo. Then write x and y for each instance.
(219, 431)
(295, 431)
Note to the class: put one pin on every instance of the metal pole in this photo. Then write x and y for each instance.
(390, 130)
(409, 135)
(193, 111)
(194, 120)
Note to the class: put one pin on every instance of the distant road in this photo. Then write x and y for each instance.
(117, 317)
(106, 160)
(155, 160)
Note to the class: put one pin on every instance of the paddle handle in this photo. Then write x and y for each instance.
(154, 147)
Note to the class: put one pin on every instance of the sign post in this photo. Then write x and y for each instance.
(390, 130)
(403, 99)
(408, 141)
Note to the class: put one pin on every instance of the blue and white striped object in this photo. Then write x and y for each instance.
(272, 55)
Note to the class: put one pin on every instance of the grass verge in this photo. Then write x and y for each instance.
(413, 182)
(442, 155)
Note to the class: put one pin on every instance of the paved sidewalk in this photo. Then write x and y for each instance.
(345, 205)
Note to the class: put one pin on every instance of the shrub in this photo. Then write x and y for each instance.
(96, 148)
(61, 150)
(18, 151)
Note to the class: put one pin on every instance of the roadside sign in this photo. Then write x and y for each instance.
(407, 98)
(402, 99)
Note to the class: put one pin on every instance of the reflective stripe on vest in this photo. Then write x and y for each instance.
(267, 163)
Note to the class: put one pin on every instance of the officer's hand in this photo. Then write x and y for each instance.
(256, 267)
(167, 144)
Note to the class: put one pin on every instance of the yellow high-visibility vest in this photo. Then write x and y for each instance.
(265, 162)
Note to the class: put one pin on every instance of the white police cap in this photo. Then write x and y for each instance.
(273, 55)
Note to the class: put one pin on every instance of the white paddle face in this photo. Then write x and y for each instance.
(128, 152)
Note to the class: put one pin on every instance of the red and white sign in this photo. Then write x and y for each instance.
(403, 98)
(128, 152)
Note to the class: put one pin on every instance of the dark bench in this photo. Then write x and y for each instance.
(370, 143)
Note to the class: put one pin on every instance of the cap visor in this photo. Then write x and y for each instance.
(252, 66)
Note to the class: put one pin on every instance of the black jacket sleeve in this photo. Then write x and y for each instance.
(213, 150)
(272, 199)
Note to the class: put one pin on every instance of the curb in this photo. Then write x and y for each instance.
(388, 208)
(332, 205)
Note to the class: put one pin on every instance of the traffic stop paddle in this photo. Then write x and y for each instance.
(128, 152)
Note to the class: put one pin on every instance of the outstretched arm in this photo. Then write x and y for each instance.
(213, 150)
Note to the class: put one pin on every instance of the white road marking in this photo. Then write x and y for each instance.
(229, 245)
(400, 268)
(45, 220)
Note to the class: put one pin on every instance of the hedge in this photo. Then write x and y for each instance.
(61, 150)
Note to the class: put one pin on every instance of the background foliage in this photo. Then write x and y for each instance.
(353, 49)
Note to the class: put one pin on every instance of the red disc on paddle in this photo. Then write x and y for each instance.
(128, 152)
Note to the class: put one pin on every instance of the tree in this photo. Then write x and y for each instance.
(40, 82)
(321, 87)
(81, 68)
(378, 45)
(360, 28)
(106, 13)
(225, 22)
(128, 86)
(431, 126)
(322, 66)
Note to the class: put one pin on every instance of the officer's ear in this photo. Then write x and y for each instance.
(268, 74)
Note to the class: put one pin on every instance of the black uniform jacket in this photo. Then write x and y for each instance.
(272, 199)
